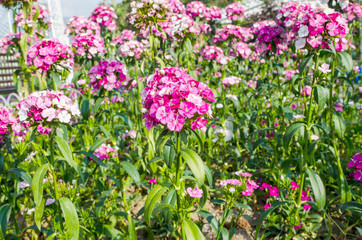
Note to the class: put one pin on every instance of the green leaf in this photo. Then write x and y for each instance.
(94, 158)
(354, 207)
(290, 132)
(288, 112)
(22, 174)
(242, 206)
(132, 172)
(346, 60)
(97, 144)
(23, 44)
(224, 234)
(339, 124)
(162, 64)
(305, 61)
(100, 203)
(104, 130)
(208, 175)
(84, 109)
(264, 215)
(321, 95)
(5, 211)
(153, 197)
(131, 228)
(71, 217)
(192, 231)
(66, 152)
(318, 189)
(211, 219)
(162, 139)
(111, 232)
(38, 213)
(195, 163)
(97, 104)
(169, 155)
(38, 184)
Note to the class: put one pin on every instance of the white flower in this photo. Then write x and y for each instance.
(22, 115)
(314, 137)
(300, 43)
(24, 184)
(232, 189)
(64, 117)
(324, 68)
(303, 31)
(219, 105)
(49, 201)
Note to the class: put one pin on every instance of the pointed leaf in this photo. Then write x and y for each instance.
(153, 197)
(38, 184)
(132, 172)
(22, 174)
(318, 188)
(71, 217)
(192, 231)
(195, 163)
(66, 152)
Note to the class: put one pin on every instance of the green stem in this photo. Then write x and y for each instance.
(52, 161)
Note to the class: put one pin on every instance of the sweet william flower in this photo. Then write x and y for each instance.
(266, 206)
(324, 68)
(195, 193)
(294, 185)
(307, 207)
(274, 192)
(152, 181)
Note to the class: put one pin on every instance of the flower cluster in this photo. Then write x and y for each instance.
(232, 33)
(182, 25)
(108, 74)
(313, 26)
(212, 13)
(269, 32)
(80, 25)
(105, 151)
(214, 53)
(194, 193)
(246, 186)
(126, 35)
(176, 6)
(45, 109)
(146, 13)
(172, 98)
(231, 80)
(196, 9)
(88, 45)
(41, 19)
(241, 49)
(354, 10)
(105, 16)
(235, 11)
(8, 123)
(357, 163)
(133, 48)
(46, 53)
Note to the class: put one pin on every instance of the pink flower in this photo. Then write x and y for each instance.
(306, 90)
(105, 151)
(152, 181)
(276, 124)
(266, 206)
(307, 207)
(324, 68)
(298, 226)
(105, 16)
(294, 185)
(274, 192)
(173, 98)
(265, 186)
(200, 123)
(304, 196)
(231, 190)
(338, 107)
(195, 193)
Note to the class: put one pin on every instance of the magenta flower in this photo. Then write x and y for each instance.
(265, 186)
(173, 98)
(274, 192)
(304, 196)
(338, 107)
(357, 163)
(307, 207)
(152, 181)
(109, 75)
(266, 206)
(105, 151)
(294, 185)
(195, 193)
(298, 226)
(105, 16)
(306, 90)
